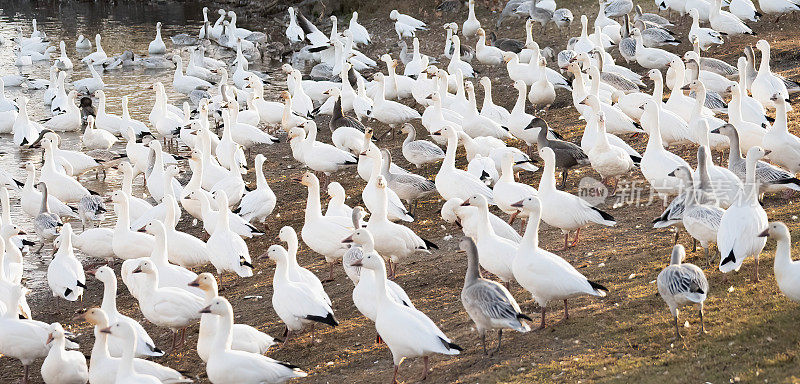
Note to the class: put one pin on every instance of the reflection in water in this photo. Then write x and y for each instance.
(124, 26)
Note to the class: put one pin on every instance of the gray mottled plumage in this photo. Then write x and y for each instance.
(655, 36)
(46, 224)
(419, 152)
(510, 9)
(682, 284)
(651, 17)
(568, 155)
(508, 45)
(627, 45)
(563, 17)
(614, 79)
(617, 8)
(768, 176)
(355, 252)
(489, 304)
(91, 208)
(339, 119)
(407, 186)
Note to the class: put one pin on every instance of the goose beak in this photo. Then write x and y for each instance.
(437, 133)
(194, 283)
(517, 204)
(686, 87)
(91, 272)
(672, 174)
(79, 317)
(298, 179)
(765, 233)
(356, 263)
(106, 330)
(141, 230)
(465, 204)
(767, 152)
(348, 240)
(137, 270)
(49, 339)
(22, 233)
(715, 130)
(206, 309)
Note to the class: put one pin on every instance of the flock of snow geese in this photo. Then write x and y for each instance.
(714, 204)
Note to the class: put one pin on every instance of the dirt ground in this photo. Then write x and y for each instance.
(624, 337)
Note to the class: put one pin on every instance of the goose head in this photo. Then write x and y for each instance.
(56, 333)
(693, 85)
(481, 33)
(682, 172)
(531, 204)
(372, 152)
(118, 197)
(762, 45)
(155, 227)
(287, 234)
(407, 128)
(447, 131)
(394, 14)
(277, 253)
(145, 266)
(510, 57)
(94, 316)
(220, 307)
(476, 201)
(104, 274)
(547, 155)
(122, 330)
(450, 210)
(12, 230)
(296, 133)
(757, 153)
(654, 74)
(205, 281)
(308, 179)
(334, 190)
(776, 230)
(778, 98)
(360, 236)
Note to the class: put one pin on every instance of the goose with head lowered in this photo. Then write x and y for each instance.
(405, 330)
(228, 366)
(295, 302)
(244, 337)
(545, 275)
(394, 241)
(323, 234)
(453, 182)
(489, 304)
(562, 209)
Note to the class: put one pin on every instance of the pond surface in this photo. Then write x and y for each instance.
(124, 26)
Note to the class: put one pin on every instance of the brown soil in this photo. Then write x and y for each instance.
(624, 337)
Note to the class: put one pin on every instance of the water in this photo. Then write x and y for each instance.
(125, 26)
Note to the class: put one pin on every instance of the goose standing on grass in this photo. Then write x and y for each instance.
(259, 203)
(295, 302)
(487, 54)
(62, 366)
(737, 238)
(453, 182)
(705, 37)
(228, 366)
(157, 46)
(169, 307)
(419, 152)
(405, 330)
(562, 209)
(144, 344)
(651, 58)
(244, 337)
(323, 234)
(405, 25)
(489, 304)
(545, 275)
(657, 162)
(394, 241)
(682, 284)
(700, 218)
(568, 155)
(65, 273)
(787, 271)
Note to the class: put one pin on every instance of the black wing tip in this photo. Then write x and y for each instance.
(28, 242)
(18, 183)
(82, 285)
(67, 292)
(597, 286)
(604, 214)
(287, 365)
(451, 345)
(731, 258)
(237, 209)
(91, 192)
(788, 180)
(329, 319)
(636, 159)
(429, 244)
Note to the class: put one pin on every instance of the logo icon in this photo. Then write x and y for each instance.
(593, 191)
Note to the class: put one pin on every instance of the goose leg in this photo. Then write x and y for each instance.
(566, 310)
(755, 273)
(25, 376)
(694, 245)
(330, 273)
(575, 242)
(566, 241)
(702, 323)
(513, 217)
(286, 340)
(174, 340)
(425, 368)
(394, 378)
(483, 341)
(542, 325)
(499, 342)
(677, 333)
(677, 233)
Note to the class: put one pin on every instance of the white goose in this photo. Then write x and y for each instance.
(288, 235)
(323, 234)
(336, 205)
(128, 244)
(370, 195)
(184, 83)
(96, 138)
(320, 157)
(68, 121)
(726, 22)
(244, 337)
(258, 204)
(227, 249)
(742, 222)
(62, 186)
(495, 253)
(60, 365)
(784, 147)
(545, 275)
(507, 191)
(295, 302)
(394, 241)
(785, 268)
(168, 307)
(609, 161)
(31, 198)
(22, 339)
(766, 84)
(65, 273)
(25, 131)
(405, 330)
(466, 217)
(562, 209)
(127, 372)
(95, 57)
(453, 182)
(157, 46)
(144, 344)
(657, 162)
(228, 366)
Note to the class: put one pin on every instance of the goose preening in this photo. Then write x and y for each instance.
(681, 284)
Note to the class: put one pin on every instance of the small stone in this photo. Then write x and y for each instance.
(447, 237)
(731, 289)
(631, 276)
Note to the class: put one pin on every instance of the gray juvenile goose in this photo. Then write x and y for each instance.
(682, 284)
(568, 155)
(488, 303)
